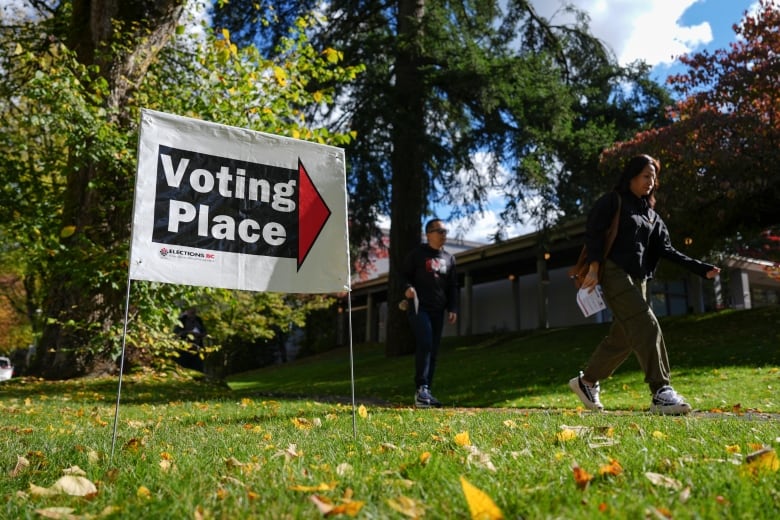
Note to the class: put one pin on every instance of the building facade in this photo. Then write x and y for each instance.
(522, 284)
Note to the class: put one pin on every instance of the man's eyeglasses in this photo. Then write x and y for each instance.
(439, 231)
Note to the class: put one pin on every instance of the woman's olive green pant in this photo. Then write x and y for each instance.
(634, 329)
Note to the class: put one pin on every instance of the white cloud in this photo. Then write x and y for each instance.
(638, 30)
(485, 226)
(482, 226)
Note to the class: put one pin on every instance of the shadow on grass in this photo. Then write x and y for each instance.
(475, 371)
(491, 370)
(103, 390)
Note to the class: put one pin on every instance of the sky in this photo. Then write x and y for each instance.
(656, 31)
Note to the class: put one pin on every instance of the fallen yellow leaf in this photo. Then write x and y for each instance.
(328, 508)
(363, 411)
(462, 439)
(425, 457)
(349, 508)
(480, 504)
(322, 486)
(566, 435)
(301, 423)
(763, 460)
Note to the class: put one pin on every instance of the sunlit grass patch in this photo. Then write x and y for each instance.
(192, 449)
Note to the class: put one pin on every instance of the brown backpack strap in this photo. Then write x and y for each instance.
(613, 228)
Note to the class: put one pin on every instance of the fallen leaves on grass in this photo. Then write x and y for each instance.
(166, 461)
(478, 458)
(581, 477)
(345, 506)
(475, 455)
(425, 457)
(243, 467)
(662, 480)
(480, 504)
(566, 435)
(67, 513)
(598, 437)
(613, 468)
(407, 506)
(463, 439)
(21, 465)
(72, 485)
(763, 460)
(322, 486)
(302, 423)
(290, 453)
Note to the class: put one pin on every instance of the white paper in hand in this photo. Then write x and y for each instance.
(591, 302)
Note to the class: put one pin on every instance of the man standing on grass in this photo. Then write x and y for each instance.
(431, 289)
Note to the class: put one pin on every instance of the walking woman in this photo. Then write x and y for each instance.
(642, 239)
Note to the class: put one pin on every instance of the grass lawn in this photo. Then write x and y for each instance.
(719, 361)
(285, 442)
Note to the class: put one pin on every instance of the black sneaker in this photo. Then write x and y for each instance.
(589, 395)
(424, 399)
(668, 402)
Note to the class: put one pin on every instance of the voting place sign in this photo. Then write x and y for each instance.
(221, 206)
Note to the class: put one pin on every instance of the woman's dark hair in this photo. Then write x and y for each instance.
(634, 167)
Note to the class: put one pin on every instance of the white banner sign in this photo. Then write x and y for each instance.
(220, 206)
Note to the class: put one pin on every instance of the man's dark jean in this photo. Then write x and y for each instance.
(427, 328)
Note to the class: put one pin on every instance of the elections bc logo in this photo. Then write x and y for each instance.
(190, 255)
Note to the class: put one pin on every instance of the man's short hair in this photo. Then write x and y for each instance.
(430, 223)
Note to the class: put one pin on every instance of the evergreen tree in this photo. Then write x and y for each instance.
(447, 82)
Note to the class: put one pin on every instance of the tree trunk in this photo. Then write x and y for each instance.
(75, 308)
(409, 178)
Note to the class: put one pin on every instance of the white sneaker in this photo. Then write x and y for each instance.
(668, 402)
(588, 394)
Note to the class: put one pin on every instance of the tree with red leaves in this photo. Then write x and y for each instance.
(720, 157)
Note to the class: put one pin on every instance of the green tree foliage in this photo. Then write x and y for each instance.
(73, 86)
(464, 99)
(720, 156)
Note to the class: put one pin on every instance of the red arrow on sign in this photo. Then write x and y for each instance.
(312, 214)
